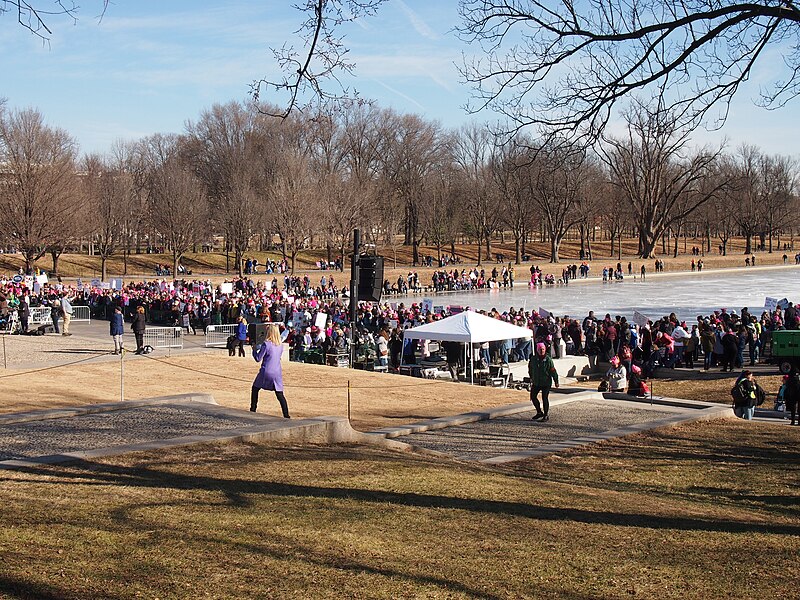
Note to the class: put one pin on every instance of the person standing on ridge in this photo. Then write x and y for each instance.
(542, 372)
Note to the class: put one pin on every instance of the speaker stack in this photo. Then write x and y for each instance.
(370, 278)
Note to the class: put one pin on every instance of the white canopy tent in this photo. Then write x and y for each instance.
(468, 328)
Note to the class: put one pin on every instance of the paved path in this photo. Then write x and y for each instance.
(584, 420)
(108, 429)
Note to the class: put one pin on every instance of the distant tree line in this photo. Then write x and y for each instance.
(307, 180)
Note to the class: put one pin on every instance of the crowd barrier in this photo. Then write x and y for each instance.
(40, 315)
(163, 337)
(81, 313)
(217, 335)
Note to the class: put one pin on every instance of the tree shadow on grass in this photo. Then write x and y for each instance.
(239, 491)
(14, 587)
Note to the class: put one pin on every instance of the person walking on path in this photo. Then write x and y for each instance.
(270, 376)
(138, 327)
(542, 372)
(117, 329)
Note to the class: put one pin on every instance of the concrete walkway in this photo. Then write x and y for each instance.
(87, 432)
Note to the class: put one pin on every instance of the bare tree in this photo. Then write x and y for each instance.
(565, 65)
(231, 149)
(555, 180)
(39, 189)
(105, 191)
(295, 205)
(176, 198)
(657, 173)
(473, 150)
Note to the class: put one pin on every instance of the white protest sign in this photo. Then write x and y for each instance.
(116, 284)
(393, 323)
(95, 283)
(28, 281)
(41, 279)
(322, 320)
(226, 288)
(80, 283)
(640, 319)
(427, 305)
(770, 304)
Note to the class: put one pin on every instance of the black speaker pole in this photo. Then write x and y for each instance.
(354, 276)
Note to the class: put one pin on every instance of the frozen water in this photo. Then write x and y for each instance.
(687, 296)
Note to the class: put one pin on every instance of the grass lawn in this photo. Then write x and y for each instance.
(708, 510)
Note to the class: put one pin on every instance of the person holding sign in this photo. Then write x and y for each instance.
(270, 376)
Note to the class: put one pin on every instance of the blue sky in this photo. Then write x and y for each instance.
(151, 65)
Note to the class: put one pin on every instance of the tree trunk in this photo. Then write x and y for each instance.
(103, 272)
(175, 260)
(748, 244)
(480, 249)
(517, 249)
(554, 244)
(54, 254)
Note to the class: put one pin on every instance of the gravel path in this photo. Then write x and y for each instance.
(108, 429)
(516, 433)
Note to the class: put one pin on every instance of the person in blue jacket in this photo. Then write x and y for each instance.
(117, 329)
(241, 334)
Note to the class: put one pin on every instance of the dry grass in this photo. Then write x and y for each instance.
(214, 263)
(377, 400)
(702, 511)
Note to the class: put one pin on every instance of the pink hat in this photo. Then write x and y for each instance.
(540, 346)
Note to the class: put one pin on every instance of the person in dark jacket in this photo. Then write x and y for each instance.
(745, 394)
(55, 314)
(138, 327)
(542, 372)
(791, 395)
(24, 313)
(730, 347)
(117, 329)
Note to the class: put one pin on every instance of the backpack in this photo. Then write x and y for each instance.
(738, 394)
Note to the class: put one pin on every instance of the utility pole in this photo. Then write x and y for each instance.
(354, 275)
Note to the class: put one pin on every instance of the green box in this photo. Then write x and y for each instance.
(786, 343)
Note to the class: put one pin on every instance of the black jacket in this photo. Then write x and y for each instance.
(138, 322)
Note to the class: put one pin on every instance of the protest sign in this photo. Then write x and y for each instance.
(543, 313)
(226, 288)
(640, 319)
(41, 279)
(322, 320)
(770, 304)
(427, 305)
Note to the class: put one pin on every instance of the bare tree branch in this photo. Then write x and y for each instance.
(564, 66)
(323, 59)
(35, 17)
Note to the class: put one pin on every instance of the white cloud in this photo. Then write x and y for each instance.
(420, 26)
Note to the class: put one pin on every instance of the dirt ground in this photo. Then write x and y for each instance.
(399, 258)
(377, 400)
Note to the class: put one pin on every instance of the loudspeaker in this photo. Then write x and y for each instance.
(257, 332)
(370, 278)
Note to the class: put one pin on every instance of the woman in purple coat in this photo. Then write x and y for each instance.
(269, 375)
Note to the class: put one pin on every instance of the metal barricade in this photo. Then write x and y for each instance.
(81, 313)
(163, 337)
(217, 335)
(40, 315)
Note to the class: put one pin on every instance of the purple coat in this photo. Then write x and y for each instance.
(269, 375)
